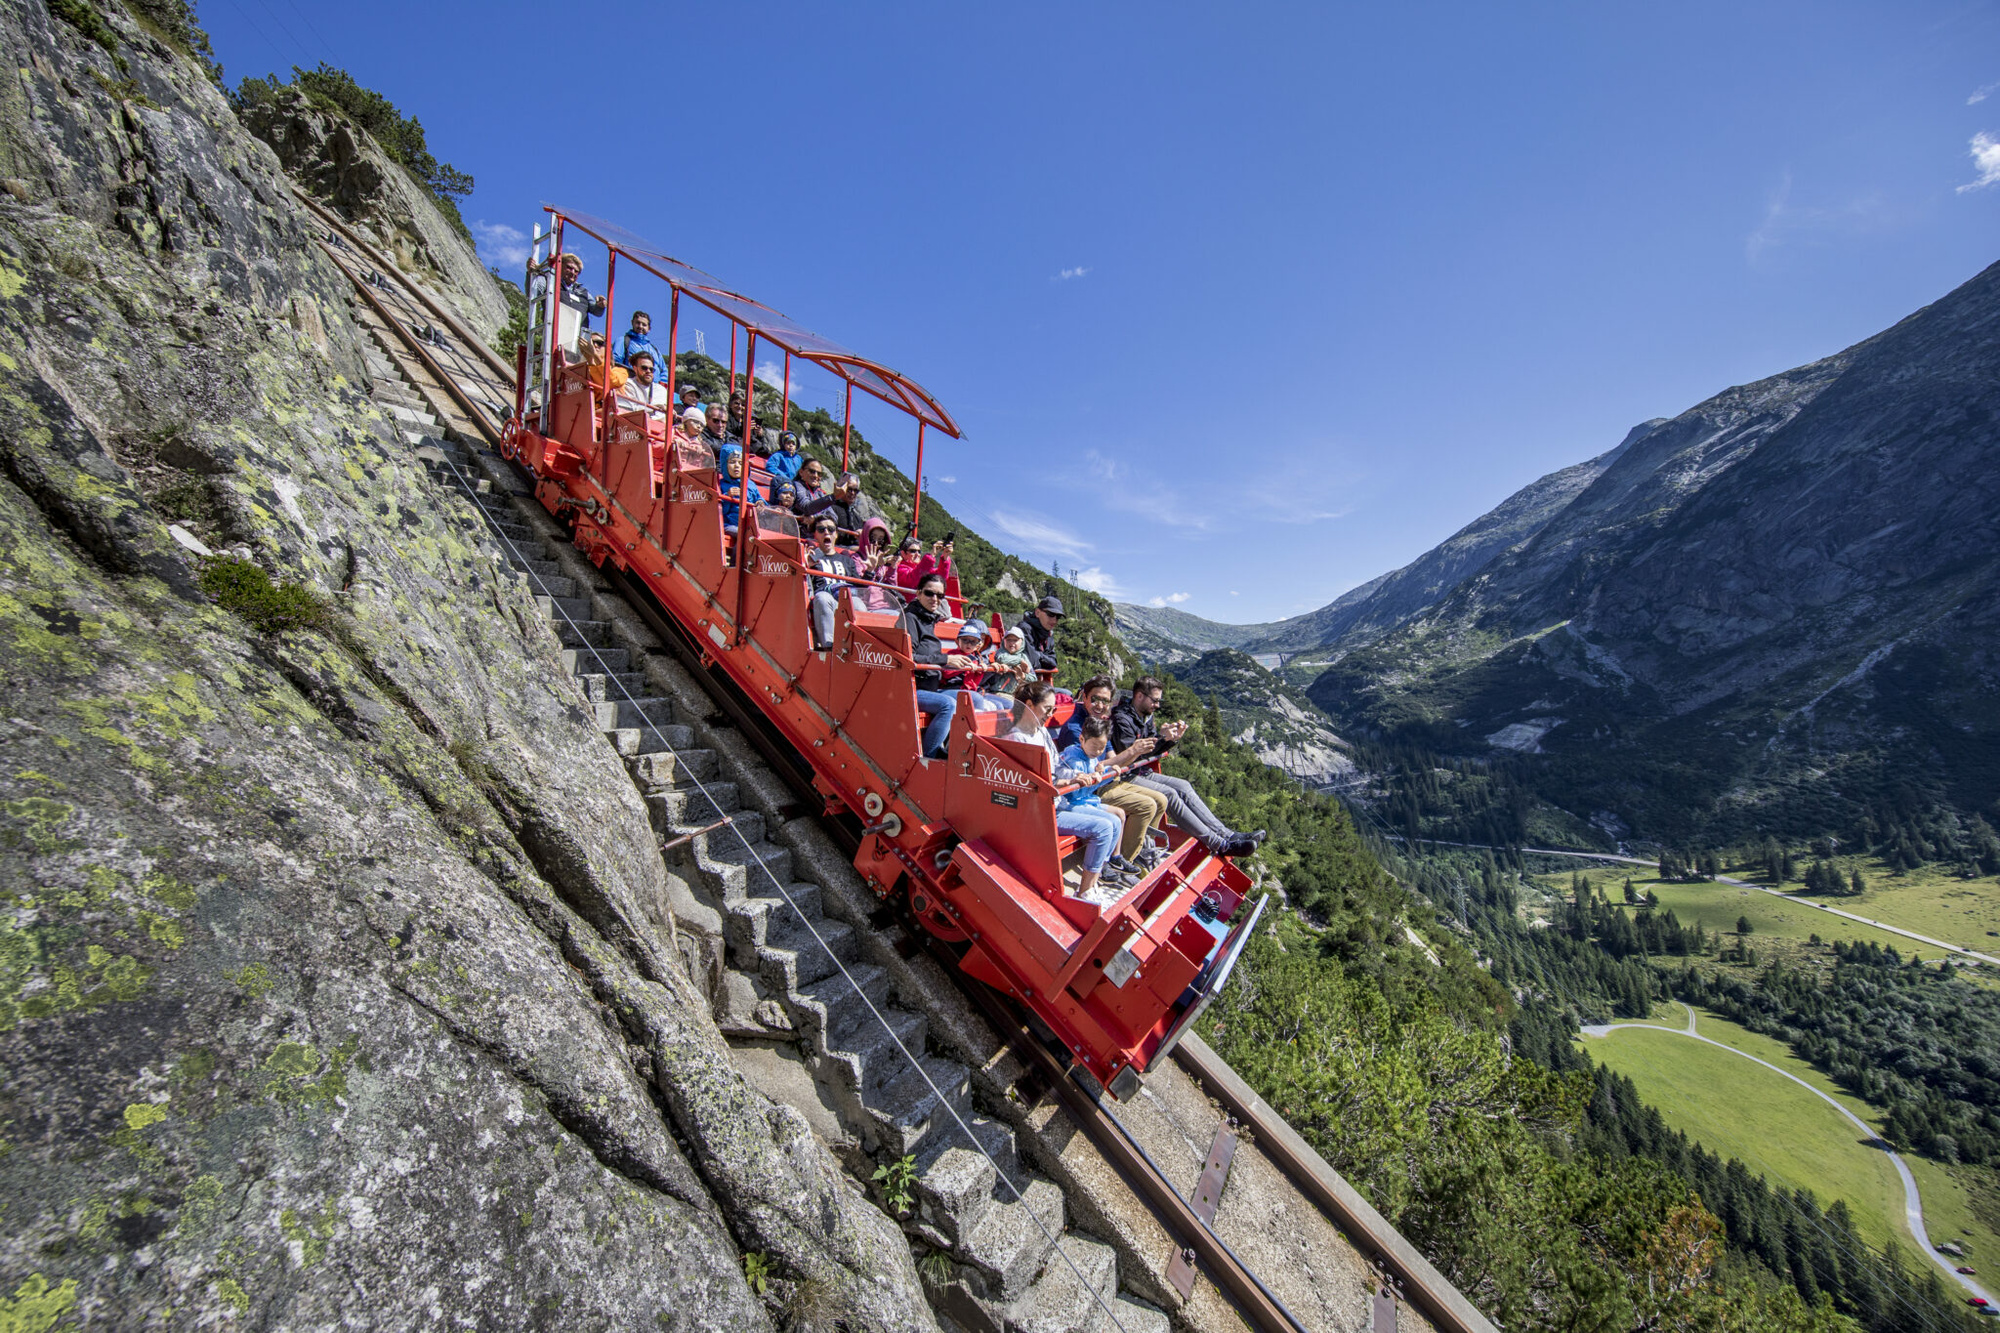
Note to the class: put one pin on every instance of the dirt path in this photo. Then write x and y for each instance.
(1913, 1204)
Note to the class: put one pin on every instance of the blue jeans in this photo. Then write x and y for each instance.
(1099, 829)
(940, 706)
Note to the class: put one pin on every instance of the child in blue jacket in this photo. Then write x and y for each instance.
(733, 488)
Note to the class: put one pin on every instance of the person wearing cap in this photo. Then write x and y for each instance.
(1038, 630)
(637, 339)
(974, 645)
(690, 397)
(687, 431)
(1013, 657)
(788, 460)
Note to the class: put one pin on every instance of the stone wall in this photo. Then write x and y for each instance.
(334, 983)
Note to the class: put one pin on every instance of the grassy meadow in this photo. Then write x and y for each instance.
(1733, 1107)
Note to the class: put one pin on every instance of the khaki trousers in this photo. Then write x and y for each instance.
(1142, 809)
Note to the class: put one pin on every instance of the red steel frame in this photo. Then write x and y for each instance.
(971, 839)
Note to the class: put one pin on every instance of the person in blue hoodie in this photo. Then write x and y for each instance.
(637, 339)
(1077, 763)
(735, 489)
(785, 464)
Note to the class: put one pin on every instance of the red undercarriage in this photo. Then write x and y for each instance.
(970, 839)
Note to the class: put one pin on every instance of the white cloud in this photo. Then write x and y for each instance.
(1066, 274)
(1039, 534)
(1097, 581)
(772, 373)
(1985, 150)
(1119, 489)
(1785, 222)
(501, 245)
(1172, 598)
(1981, 94)
(944, 481)
(1234, 593)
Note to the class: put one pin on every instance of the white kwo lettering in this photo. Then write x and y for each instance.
(999, 773)
(694, 495)
(772, 569)
(868, 655)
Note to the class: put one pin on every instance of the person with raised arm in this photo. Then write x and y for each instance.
(920, 622)
(878, 564)
(824, 558)
(1135, 720)
(1034, 704)
(842, 503)
(1142, 807)
(812, 476)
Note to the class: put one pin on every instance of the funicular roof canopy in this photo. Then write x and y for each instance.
(871, 376)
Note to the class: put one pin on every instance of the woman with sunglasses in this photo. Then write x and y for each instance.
(920, 622)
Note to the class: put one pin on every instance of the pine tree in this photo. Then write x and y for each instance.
(1856, 884)
(1743, 926)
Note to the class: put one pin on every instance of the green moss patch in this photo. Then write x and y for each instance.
(242, 587)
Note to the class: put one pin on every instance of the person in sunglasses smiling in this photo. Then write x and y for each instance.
(920, 622)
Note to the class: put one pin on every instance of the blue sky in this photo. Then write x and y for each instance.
(1241, 305)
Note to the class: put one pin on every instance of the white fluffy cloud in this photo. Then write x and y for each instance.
(1097, 581)
(1066, 274)
(1985, 150)
(1171, 599)
(773, 374)
(1039, 534)
(1981, 94)
(503, 246)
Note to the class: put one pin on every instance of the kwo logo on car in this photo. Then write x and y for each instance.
(878, 659)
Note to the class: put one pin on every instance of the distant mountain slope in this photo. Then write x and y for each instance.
(1272, 718)
(1376, 607)
(1784, 599)
(1365, 612)
(1165, 635)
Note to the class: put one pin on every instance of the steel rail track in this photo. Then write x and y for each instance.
(1404, 1270)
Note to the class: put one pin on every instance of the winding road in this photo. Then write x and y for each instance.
(1913, 1205)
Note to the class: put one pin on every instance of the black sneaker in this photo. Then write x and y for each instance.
(1259, 837)
(1240, 845)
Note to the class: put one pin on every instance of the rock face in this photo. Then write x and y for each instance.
(1796, 577)
(339, 977)
(1285, 729)
(345, 168)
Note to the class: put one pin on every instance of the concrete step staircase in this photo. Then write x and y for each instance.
(1009, 1264)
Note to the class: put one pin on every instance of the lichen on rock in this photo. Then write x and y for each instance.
(329, 946)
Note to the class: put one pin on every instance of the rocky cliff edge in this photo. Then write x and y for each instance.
(338, 978)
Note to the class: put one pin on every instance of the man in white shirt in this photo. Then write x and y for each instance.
(641, 390)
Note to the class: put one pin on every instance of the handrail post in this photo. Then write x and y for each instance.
(917, 504)
(846, 425)
(749, 404)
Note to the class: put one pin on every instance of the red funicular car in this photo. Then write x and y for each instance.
(968, 844)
